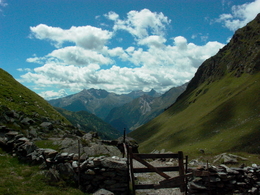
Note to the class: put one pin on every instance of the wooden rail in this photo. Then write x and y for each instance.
(168, 182)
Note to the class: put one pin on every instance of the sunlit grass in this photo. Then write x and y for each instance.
(17, 178)
(220, 117)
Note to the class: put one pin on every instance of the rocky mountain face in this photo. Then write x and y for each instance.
(96, 101)
(219, 110)
(142, 109)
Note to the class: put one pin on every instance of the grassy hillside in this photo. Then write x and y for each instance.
(17, 97)
(228, 121)
(220, 109)
(20, 178)
(89, 122)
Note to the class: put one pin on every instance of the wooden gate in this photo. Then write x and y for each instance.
(168, 182)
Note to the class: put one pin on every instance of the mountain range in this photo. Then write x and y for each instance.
(142, 109)
(97, 101)
(20, 107)
(219, 111)
(126, 111)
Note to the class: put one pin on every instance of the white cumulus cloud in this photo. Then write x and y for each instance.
(53, 94)
(79, 56)
(141, 23)
(90, 62)
(88, 37)
(240, 16)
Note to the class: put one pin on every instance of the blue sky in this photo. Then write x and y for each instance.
(59, 47)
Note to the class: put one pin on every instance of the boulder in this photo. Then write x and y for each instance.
(47, 125)
(114, 164)
(27, 121)
(103, 192)
(100, 149)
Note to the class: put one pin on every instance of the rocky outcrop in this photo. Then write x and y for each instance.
(35, 126)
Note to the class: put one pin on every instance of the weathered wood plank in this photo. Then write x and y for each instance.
(150, 166)
(147, 170)
(144, 186)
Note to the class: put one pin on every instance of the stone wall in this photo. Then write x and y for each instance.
(88, 173)
(111, 173)
(225, 180)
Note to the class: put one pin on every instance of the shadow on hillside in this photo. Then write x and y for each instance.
(249, 143)
(217, 120)
(140, 136)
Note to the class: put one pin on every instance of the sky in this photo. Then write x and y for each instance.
(60, 47)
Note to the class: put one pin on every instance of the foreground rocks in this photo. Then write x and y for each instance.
(225, 180)
(67, 165)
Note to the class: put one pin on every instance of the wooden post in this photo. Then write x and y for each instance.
(79, 163)
(181, 169)
(124, 142)
(186, 179)
(131, 172)
(124, 135)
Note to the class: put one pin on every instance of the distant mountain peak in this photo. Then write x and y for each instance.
(97, 93)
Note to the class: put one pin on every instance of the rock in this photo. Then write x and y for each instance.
(228, 158)
(196, 186)
(75, 164)
(47, 125)
(27, 121)
(130, 142)
(3, 141)
(111, 163)
(99, 149)
(52, 176)
(35, 157)
(66, 171)
(33, 132)
(103, 192)
(90, 172)
(48, 152)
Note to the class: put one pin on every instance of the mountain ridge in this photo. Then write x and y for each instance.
(218, 111)
(139, 111)
(97, 101)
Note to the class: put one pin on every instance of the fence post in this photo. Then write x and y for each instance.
(181, 170)
(79, 163)
(131, 173)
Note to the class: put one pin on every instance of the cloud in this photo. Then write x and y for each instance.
(24, 69)
(79, 56)
(240, 16)
(2, 4)
(153, 41)
(112, 15)
(156, 68)
(141, 24)
(91, 61)
(87, 37)
(53, 94)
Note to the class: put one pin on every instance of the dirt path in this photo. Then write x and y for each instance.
(149, 178)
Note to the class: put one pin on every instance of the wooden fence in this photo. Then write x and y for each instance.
(179, 181)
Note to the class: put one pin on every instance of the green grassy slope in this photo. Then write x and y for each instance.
(90, 122)
(220, 109)
(226, 121)
(20, 178)
(17, 97)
